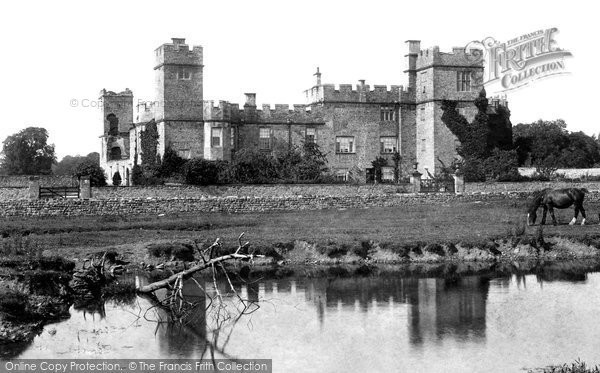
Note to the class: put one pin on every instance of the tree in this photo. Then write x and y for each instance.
(548, 145)
(93, 170)
(68, 164)
(27, 152)
(116, 179)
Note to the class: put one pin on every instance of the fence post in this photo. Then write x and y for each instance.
(459, 184)
(34, 187)
(415, 180)
(85, 189)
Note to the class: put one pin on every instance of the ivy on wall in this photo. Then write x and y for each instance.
(149, 144)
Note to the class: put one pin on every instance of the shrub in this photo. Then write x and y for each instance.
(172, 251)
(116, 179)
(13, 305)
(435, 248)
(93, 170)
(198, 171)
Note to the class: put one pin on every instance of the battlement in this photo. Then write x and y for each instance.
(178, 53)
(278, 113)
(459, 57)
(127, 93)
(348, 93)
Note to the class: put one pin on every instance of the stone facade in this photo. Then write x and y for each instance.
(352, 124)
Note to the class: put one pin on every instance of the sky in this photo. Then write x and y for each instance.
(56, 52)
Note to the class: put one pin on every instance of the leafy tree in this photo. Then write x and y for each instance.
(116, 179)
(27, 152)
(137, 175)
(68, 164)
(548, 145)
(253, 166)
(314, 163)
(93, 170)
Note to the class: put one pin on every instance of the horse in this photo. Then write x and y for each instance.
(557, 198)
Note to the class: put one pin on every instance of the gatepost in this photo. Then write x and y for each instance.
(34, 187)
(459, 184)
(85, 190)
(415, 180)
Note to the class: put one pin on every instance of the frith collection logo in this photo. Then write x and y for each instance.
(519, 61)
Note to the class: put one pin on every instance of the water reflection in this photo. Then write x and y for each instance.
(437, 307)
(391, 318)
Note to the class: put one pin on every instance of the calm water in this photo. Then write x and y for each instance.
(372, 324)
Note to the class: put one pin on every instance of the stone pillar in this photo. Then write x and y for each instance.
(459, 184)
(85, 189)
(34, 187)
(415, 180)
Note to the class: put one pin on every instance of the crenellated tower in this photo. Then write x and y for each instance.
(178, 107)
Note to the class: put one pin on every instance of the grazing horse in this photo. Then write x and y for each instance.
(559, 198)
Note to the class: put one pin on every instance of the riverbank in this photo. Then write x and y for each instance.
(453, 238)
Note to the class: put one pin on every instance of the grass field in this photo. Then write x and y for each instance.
(455, 221)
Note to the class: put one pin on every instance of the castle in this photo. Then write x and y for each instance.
(351, 124)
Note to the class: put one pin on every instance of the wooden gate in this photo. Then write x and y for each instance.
(59, 192)
(437, 186)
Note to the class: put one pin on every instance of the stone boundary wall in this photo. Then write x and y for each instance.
(22, 181)
(592, 186)
(269, 190)
(92, 207)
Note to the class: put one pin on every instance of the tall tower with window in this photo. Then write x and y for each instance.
(437, 76)
(117, 116)
(179, 98)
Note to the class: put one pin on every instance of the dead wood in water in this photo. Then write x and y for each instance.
(209, 262)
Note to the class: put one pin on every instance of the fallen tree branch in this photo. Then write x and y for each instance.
(189, 272)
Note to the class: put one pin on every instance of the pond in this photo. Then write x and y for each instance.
(492, 322)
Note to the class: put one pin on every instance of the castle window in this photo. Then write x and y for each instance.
(232, 137)
(344, 144)
(311, 135)
(463, 81)
(387, 173)
(388, 113)
(264, 138)
(216, 137)
(388, 144)
(115, 153)
(184, 74)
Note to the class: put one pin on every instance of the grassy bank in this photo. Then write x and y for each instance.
(330, 233)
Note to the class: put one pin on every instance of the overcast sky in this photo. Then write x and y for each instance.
(57, 51)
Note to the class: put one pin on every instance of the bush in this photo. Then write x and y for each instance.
(13, 305)
(116, 179)
(172, 164)
(198, 171)
(172, 251)
(93, 170)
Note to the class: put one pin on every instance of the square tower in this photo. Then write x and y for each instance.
(439, 76)
(178, 82)
(179, 98)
